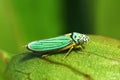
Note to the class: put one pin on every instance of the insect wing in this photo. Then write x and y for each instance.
(50, 44)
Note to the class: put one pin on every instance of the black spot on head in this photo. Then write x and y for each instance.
(78, 41)
(75, 36)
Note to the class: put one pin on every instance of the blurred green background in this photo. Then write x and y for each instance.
(22, 21)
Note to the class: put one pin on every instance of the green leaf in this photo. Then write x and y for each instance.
(100, 60)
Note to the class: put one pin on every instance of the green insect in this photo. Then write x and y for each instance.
(69, 41)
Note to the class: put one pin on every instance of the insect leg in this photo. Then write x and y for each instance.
(67, 53)
(45, 55)
(79, 47)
